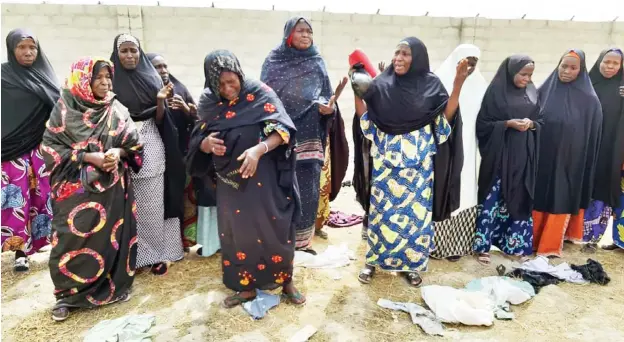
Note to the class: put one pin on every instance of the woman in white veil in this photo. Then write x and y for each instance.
(454, 236)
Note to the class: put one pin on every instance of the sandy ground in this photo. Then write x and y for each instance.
(186, 303)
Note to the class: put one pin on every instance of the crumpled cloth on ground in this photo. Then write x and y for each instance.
(593, 272)
(338, 219)
(332, 257)
(452, 305)
(536, 279)
(263, 302)
(503, 291)
(131, 328)
(561, 271)
(424, 318)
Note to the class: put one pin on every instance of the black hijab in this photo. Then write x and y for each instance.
(28, 96)
(569, 142)
(184, 122)
(137, 90)
(256, 104)
(506, 152)
(406, 103)
(611, 155)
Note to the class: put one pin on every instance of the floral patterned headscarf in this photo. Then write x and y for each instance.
(81, 76)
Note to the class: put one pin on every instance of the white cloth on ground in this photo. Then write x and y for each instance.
(503, 291)
(131, 328)
(332, 257)
(263, 302)
(424, 318)
(451, 305)
(562, 271)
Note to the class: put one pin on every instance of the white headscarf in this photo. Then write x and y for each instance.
(469, 103)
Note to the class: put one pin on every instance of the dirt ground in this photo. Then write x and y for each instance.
(186, 302)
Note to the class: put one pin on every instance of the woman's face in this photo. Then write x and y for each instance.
(302, 36)
(569, 69)
(229, 85)
(101, 83)
(402, 59)
(129, 55)
(523, 77)
(26, 52)
(610, 64)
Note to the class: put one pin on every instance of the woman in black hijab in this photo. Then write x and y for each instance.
(29, 91)
(244, 146)
(406, 113)
(159, 185)
(508, 128)
(569, 144)
(608, 79)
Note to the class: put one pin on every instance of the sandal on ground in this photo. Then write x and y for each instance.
(413, 279)
(484, 259)
(500, 269)
(160, 269)
(610, 247)
(236, 299)
(294, 298)
(308, 250)
(589, 248)
(322, 234)
(453, 258)
(366, 275)
(60, 314)
(21, 264)
(199, 251)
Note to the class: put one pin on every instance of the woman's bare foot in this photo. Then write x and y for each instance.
(238, 299)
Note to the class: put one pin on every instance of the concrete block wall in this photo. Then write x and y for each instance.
(186, 35)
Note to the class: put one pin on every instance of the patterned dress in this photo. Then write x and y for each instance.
(597, 219)
(26, 210)
(159, 239)
(400, 229)
(618, 224)
(496, 227)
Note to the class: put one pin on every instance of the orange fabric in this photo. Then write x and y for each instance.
(550, 230)
(573, 54)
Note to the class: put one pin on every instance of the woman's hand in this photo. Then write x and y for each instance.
(327, 109)
(112, 158)
(462, 72)
(211, 144)
(381, 66)
(95, 158)
(165, 92)
(250, 160)
(177, 103)
(521, 125)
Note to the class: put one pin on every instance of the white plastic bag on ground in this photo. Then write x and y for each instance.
(332, 257)
(451, 305)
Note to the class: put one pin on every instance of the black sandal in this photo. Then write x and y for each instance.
(160, 269)
(413, 279)
(60, 314)
(589, 248)
(453, 258)
(366, 274)
(322, 234)
(610, 247)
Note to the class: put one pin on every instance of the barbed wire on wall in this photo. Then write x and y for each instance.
(491, 9)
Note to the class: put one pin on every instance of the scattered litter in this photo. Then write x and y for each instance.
(502, 292)
(303, 334)
(332, 257)
(562, 271)
(130, 328)
(263, 302)
(451, 305)
(338, 219)
(536, 279)
(593, 272)
(424, 318)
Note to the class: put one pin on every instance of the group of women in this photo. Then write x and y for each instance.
(94, 166)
